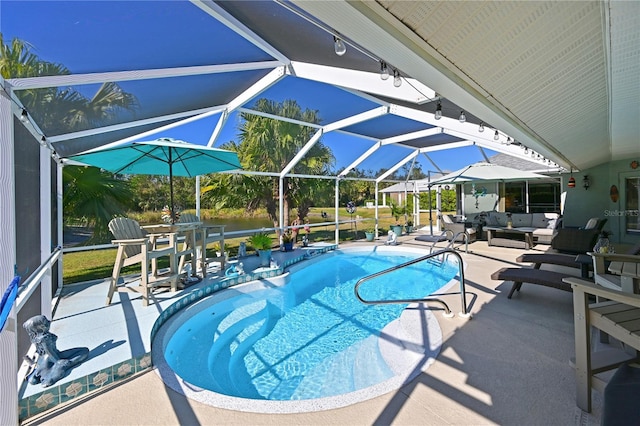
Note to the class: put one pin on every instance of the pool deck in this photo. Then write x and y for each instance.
(507, 365)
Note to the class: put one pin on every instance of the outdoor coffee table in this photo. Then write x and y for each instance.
(510, 237)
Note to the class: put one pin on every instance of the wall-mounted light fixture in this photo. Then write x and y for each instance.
(586, 182)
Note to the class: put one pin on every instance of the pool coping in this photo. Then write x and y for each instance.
(401, 350)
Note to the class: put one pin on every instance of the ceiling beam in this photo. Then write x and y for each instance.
(101, 77)
(368, 82)
(239, 28)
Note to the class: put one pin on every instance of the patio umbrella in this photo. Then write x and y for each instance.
(164, 156)
(484, 172)
(487, 172)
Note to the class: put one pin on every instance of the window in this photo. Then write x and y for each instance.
(632, 192)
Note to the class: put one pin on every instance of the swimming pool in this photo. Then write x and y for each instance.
(303, 342)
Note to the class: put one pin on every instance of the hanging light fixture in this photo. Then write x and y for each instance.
(526, 150)
(397, 81)
(508, 140)
(481, 127)
(24, 116)
(585, 182)
(339, 46)
(438, 114)
(496, 136)
(384, 70)
(462, 117)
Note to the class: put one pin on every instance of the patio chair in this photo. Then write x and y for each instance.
(533, 276)
(578, 240)
(582, 261)
(617, 271)
(136, 246)
(211, 234)
(617, 314)
(459, 229)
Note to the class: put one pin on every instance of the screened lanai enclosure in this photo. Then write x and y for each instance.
(386, 85)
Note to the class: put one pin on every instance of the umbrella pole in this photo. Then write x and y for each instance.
(173, 216)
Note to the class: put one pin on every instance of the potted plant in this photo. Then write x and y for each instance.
(396, 212)
(409, 226)
(287, 241)
(370, 233)
(261, 242)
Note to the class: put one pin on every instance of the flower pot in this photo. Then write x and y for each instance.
(397, 229)
(369, 235)
(409, 228)
(265, 257)
(288, 246)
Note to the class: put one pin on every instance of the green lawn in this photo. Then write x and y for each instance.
(98, 264)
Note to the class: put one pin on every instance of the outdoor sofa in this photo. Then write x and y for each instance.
(545, 225)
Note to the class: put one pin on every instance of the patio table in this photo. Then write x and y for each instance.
(505, 241)
(188, 229)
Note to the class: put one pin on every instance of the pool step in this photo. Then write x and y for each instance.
(331, 377)
(238, 364)
(369, 367)
(230, 335)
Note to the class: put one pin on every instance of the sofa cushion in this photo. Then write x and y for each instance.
(521, 220)
(501, 218)
(543, 231)
(544, 220)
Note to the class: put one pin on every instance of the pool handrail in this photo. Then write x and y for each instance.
(444, 252)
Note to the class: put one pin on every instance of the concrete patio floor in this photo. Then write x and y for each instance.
(507, 365)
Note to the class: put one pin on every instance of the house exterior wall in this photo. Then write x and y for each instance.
(581, 204)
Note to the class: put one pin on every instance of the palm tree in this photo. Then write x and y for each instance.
(66, 110)
(95, 195)
(268, 145)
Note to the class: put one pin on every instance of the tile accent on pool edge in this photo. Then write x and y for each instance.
(56, 395)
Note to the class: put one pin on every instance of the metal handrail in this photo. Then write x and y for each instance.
(443, 252)
(455, 237)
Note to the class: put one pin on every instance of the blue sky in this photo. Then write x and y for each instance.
(117, 36)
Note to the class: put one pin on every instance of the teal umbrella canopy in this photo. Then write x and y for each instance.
(165, 156)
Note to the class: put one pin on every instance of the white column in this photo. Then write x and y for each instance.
(45, 228)
(60, 207)
(8, 337)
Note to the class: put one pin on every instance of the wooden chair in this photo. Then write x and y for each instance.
(617, 313)
(205, 235)
(617, 271)
(136, 246)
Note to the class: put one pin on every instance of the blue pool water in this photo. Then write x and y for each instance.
(310, 338)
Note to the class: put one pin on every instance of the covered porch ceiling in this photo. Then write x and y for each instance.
(559, 78)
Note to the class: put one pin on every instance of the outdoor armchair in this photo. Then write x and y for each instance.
(578, 240)
(137, 246)
(459, 229)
